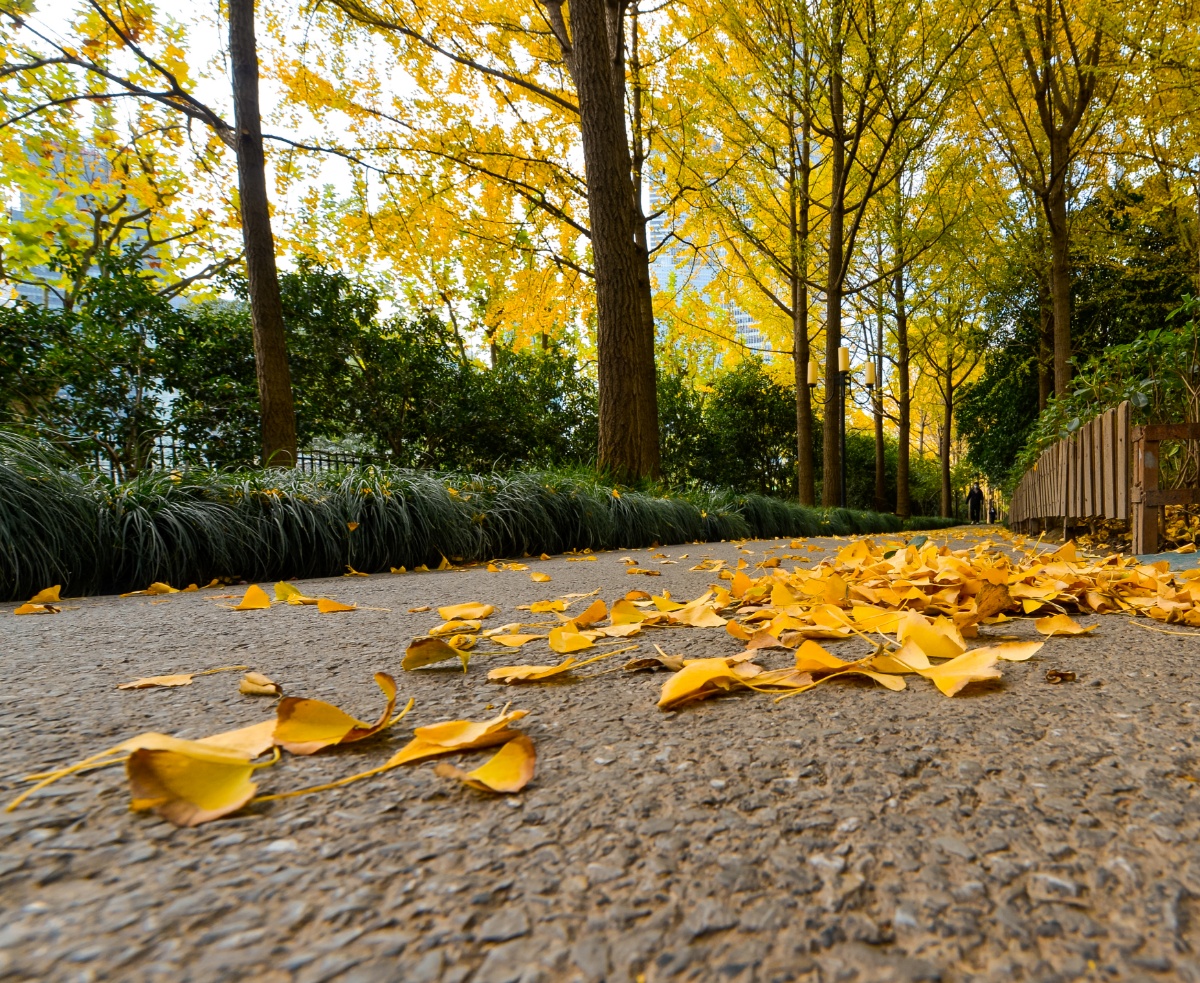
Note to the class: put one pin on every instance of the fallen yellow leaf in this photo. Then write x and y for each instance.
(306, 726)
(540, 578)
(51, 595)
(30, 608)
(178, 679)
(256, 684)
(189, 785)
(509, 770)
(515, 641)
(1062, 624)
(595, 612)
(326, 606)
(970, 667)
(545, 607)
(455, 627)
(428, 651)
(565, 639)
(255, 599)
(472, 611)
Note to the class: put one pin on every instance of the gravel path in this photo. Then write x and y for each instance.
(1020, 831)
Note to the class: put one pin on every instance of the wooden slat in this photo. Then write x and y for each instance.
(1122, 456)
(1172, 431)
(1085, 447)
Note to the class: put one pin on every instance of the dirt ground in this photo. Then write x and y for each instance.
(1020, 831)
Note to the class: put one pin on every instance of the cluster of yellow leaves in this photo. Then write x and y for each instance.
(189, 782)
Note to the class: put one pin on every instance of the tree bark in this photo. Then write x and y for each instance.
(831, 490)
(628, 405)
(1060, 275)
(266, 312)
(881, 502)
(805, 483)
(1045, 342)
(903, 400)
(944, 448)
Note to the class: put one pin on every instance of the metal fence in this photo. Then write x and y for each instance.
(169, 453)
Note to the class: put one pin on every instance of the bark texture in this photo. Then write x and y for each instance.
(831, 490)
(628, 402)
(903, 399)
(266, 312)
(799, 220)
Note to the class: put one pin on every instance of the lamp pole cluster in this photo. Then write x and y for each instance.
(869, 381)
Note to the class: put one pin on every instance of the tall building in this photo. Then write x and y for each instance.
(674, 265)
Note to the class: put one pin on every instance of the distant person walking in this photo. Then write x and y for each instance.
(975, 502)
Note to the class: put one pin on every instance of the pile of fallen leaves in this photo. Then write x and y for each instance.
(918, 606)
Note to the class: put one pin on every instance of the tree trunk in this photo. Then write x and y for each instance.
(1060, 282)
(903, 400)
(1045, 342)
(805, 483)
(944, 448)
(881, 502)
(831, 490)
(628, 407)
(266, 312)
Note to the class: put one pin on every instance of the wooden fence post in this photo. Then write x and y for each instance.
(1144, 516)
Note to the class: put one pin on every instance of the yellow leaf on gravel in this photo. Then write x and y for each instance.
(529, 674)
(252, 740)
(463, 643)
(255, 599)
(457, 735)
(616, 631)
(515, 641)
(509, 770)
(624, 613)
(471, 611)
(427, 651)
(1062, 624)
(256, 684)
(696, 681)
(811, 657)
(456, 627)
(595, 612)
(970, 667)
(540, 578)
(48, 596)
(189, 786)
(290, 594)
(1015, 651)
(545, 607)
(178, 679)
(306, 726)
(939, 639)
(153, 590)
(31, 608)
(326, 606)
(351, 572)
(565, 639)
(697, 615)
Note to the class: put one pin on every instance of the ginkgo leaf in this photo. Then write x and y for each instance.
(565, 639)
(970, 667)
(306, 726)
(30, 608)
(540, 578)
(178, 679)
(255, 599)
(939, 639)
(509, 770)
(471, 611)
(1015, 651)
(546, 607)
(51, 595)
(153, 590)
(463, 643)
(624, 613)
(698, 680)
(428, 651)
(616, 631)
(697, 615)
(351, 572)
(457, 735)
(252, 740)
(352, 526)
(455, 627)
(256, 684)
(811, 657)
(595, 612)
(522, 674)
(515, 641)
(326, 606)
(192, 786)
(1062, 624)
(290, 594)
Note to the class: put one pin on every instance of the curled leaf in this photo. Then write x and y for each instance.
(698, 680)
(51, 595)
(509, 770)
(306, 726)
(970, 667)
(189, 785)
(290, 594)
(455, 627)
(178, 679)
(457, 735)
(595, 612)
(565, 639)
(428, 651)
(256, 684)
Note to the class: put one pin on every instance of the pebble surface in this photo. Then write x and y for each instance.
(1020, 831)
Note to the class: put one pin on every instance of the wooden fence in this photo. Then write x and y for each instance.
(1107, 469)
